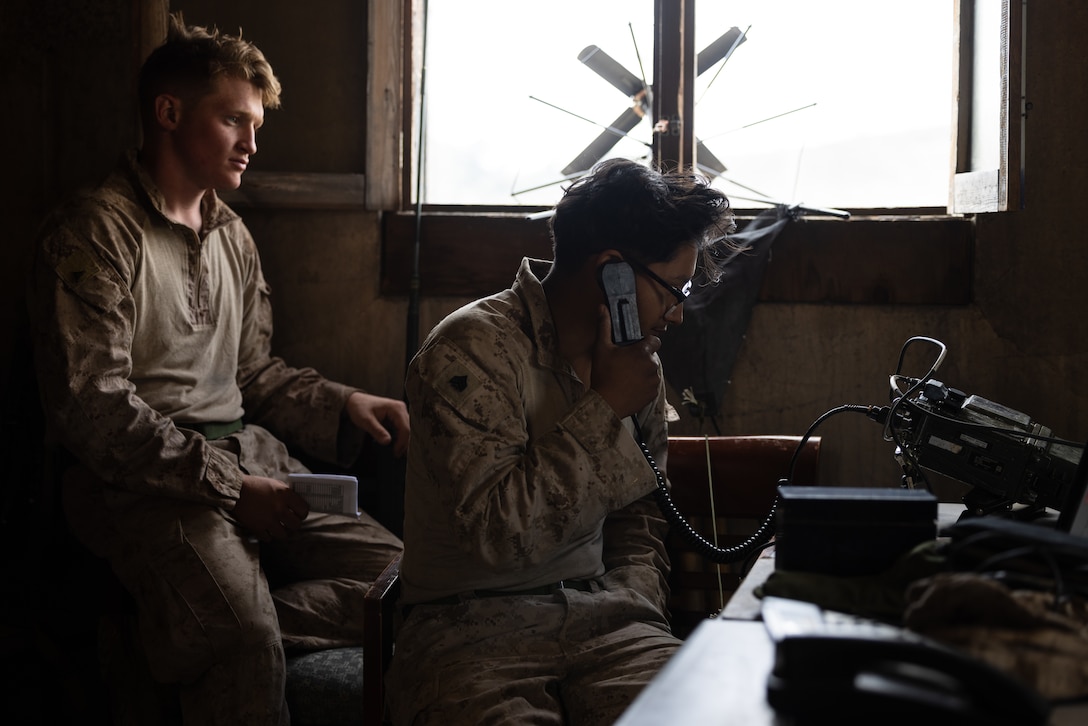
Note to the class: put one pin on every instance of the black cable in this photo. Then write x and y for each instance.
(758, 539)
(699, 543)
(414, 282)
(890, 432)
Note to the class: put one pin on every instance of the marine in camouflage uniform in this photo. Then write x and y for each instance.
(534, 576)
(127, 381)
(152, 342)
(486, 511)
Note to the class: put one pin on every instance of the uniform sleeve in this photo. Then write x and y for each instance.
(634, 537)
(298, 405)
(514, 502)
(82, 314)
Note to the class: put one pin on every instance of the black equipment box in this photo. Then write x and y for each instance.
(850, 530)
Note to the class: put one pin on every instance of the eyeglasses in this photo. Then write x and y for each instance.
(681, 294)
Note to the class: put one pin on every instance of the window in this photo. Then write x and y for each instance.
(508, 112)
(823, 260)
(842, 103)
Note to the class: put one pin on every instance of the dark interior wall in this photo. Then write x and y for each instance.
(1031, 276)
(66, 70)
(1021, 341)
(318, 51)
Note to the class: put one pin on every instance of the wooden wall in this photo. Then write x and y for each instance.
(1021, 341)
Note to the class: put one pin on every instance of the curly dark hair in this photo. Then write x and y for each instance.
(643, 213)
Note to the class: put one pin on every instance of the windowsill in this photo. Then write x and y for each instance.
(298, 190)
(877, 257)
(919, 258)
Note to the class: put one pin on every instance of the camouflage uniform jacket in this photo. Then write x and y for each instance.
(518, 475)
(141, 326)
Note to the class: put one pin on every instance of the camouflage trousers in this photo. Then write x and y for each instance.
(216, 609)
(568, 658)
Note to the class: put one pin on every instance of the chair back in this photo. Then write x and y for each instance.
(379, 611)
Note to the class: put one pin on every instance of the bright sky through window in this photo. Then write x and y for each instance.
(841, 103)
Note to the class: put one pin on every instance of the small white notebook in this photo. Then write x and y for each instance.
(328, 493)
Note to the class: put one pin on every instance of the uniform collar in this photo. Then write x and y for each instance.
(215, 212)
(541, 326)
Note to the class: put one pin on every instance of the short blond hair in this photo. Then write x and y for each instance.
(193, 57)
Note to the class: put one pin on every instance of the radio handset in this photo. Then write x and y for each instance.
(617, 279)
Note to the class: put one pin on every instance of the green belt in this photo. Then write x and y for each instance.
(581, 585)
(214, 429)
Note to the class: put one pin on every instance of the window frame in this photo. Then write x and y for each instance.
(879, 256)
(1001, 189)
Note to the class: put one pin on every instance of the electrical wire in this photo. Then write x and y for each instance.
(414, 283)
(713, 516)
(896, 401)
(759, 539)
(892, 414)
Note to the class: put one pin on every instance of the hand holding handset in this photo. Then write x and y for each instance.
(617, 279)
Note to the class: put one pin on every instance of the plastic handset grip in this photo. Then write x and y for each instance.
(618, 282)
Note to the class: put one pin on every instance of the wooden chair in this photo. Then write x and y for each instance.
(378, 629)
(745, 471)
(334, 686)
(327, 687)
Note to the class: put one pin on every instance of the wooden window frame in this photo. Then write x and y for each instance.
(998, 189)
(900, 256)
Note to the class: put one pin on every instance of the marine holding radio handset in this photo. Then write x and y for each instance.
(622, 325)
(528, 514)
(618, 282)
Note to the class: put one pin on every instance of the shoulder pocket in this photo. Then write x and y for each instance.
(88, 279)
(461, 383)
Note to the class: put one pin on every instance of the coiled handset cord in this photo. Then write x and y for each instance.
(763, 534)
(700, 544)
